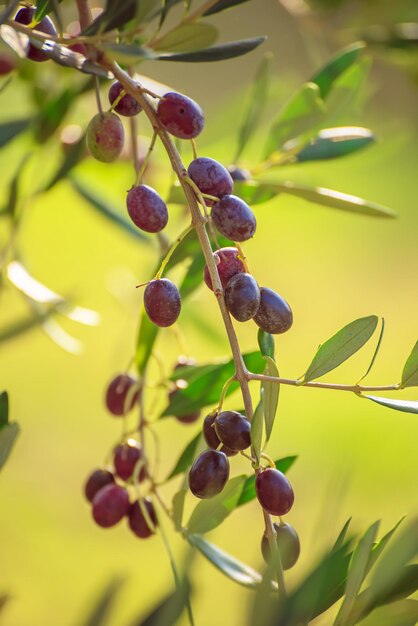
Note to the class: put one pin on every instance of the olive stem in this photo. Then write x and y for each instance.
(224, 391)
(177, 242)
(141, 170)
(358, 389)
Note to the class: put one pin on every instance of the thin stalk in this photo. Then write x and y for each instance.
(141, 170)
(169, 254)
(337, 387)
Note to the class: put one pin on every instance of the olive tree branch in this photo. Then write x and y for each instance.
(298, 383)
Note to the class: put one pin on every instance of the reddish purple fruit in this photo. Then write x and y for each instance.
(274, 492)
(105, 137)
(110, 504)
(233, 429)
(238, 173)
(127, 105)
(180, 116)
(120, 395)
(242, 297)
(25, 16)
(147, 209)
(274, 315)
(7, 64)
(234, 218)
(162, 302)
(288, 545)
(228, 264)
(189, 418)
(209, 474)
(96, 481)
(137, 522)
(212, 438)
(125, 458)
(211, 177)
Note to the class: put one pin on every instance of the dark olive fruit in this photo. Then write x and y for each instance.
(127, 105)
(287, 542)
(211, 177)
(125, 458)
(233, 429)
(274, 315)
(96, 481)
(7, 64)
(274, 492)
(234, 218)
(110, 504)
(228, 264)
(147, 209)
(238, 173)
(162, 302)
(242, 297)
(209, 474)
(105, 137)
(180, 116)
(137, 522)
(212, 438)
(120, 397)
(25, 16)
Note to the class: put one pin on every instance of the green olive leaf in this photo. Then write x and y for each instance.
(341, 346)
(188, 37)
(332, 143)
(406, 406)
(410, 370)
(326, 76)
(257, 430)
(270, 395)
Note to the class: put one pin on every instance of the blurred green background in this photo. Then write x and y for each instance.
(355, 458)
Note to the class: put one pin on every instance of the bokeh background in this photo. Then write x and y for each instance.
(355, 458)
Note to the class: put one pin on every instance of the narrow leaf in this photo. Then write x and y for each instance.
(208, 514)
(301, 113)
(22, 326)
(178, 508)
(257, 430)
(381, 545)
(232, 568)
(248, 492)
(44, 7)
(222, 5)
(145, 342)
(403, 613)
(219, 52)
(357, 572)
(326, 76)
(376, 352)
(169, 610)
(341, 346)
(406, 406)
(72, 157)
(347, 89)
(10, 130)
(107, 210)
(4, 408)
(8, 435)
(341, 537)
(410, 371)
(128, 53)
(256, 106)
(205, 385)
(270, 394)
(266, 343)
(332, 143)
(101, 609)
(186, 458)
(188, 37)
(115, 15)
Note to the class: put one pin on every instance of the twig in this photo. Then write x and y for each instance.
(337, 387)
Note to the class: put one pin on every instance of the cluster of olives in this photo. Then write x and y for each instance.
(107, 489)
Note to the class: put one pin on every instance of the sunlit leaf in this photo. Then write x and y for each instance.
(376, 352)
(332, 143)
(341, 346)
(188, 37)
(178, 508)
(301, 113)
(248, 492)
(186, 458)
(232, 568)
(379, 547)
(222, 5)
(60, 336)
(347, 89)
(410, 371)
(406, 406)
(4, 408)
(270, 393)
(219, 52)
(205, 385)
(8, 434)
(126, 53)
(402, 613)
(256, 105)
(208, 514)
(326, 76)
(357, 573)
(107, 210)
(44, 7)
(341, 537)
(145, 342)
(257, 431)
